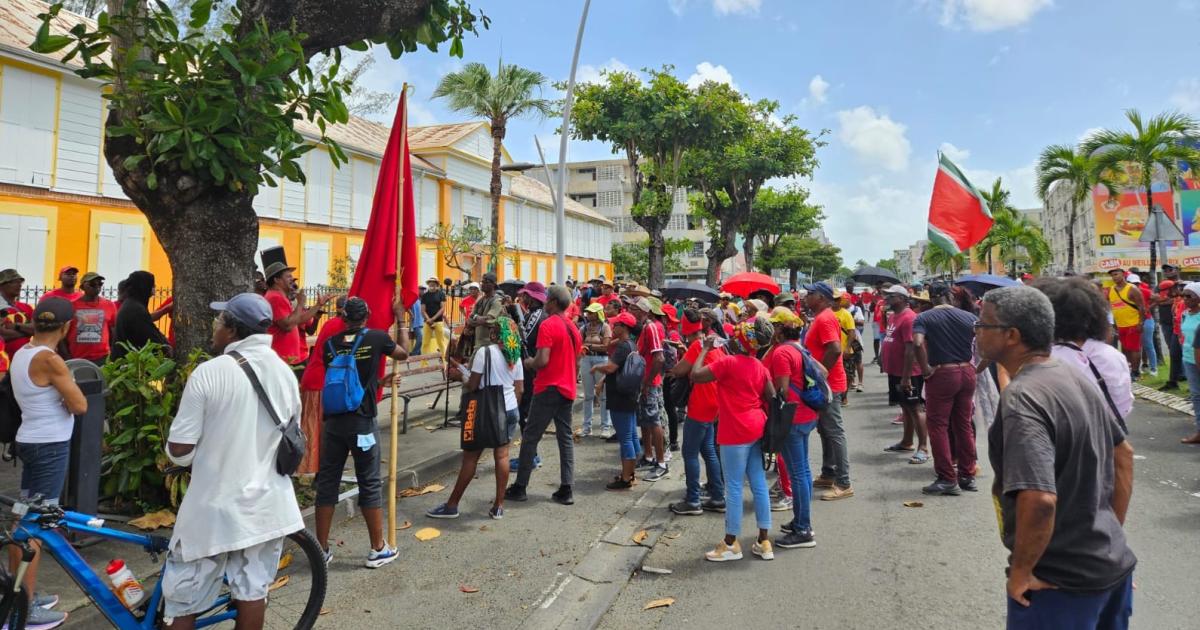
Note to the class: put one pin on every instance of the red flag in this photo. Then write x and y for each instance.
(375, 275)
(959, 216)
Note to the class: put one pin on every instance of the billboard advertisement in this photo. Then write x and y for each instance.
(1121, 218)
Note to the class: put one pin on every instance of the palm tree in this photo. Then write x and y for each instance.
(1153, 144)
(937, 259)
(997, 199)
(507, 95)
(1075, 168)
(1017, 238)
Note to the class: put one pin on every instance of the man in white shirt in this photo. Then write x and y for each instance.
(238, 509)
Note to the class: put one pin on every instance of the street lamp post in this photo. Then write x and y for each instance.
(560, 271)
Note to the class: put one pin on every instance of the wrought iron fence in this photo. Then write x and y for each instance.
(31, 295)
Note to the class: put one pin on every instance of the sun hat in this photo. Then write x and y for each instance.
(656, 306)
(597, 308)
(785, 316)
(535, 290)
(670, 313)
(759, 306)
(10, 275)
(274, 269)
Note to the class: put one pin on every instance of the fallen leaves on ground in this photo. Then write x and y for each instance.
(404, 525)
(640, 537)
(427, 533)
(671, 535)
(279, 583)
(154, 520)
(914, 504)
(285, 560)
(659, 603)
(483, 528)
(324, 611)
(420, 490)
(468, 589)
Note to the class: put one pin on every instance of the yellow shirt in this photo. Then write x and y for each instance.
(1124, 315)
(846, 321)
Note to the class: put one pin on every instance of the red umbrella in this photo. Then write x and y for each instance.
(743, 284)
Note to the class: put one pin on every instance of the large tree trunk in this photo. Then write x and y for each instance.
(722, 249)
(793, 277)
(657, 252)
(498, 131)
(989, 258)
(1071, 237)
(748, 249)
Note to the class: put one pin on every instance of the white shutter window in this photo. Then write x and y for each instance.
(508, 268)
(526, 269)
(27, 121)
(343, 185)
(316, 264)
(428, 264)
(23, 246)
(119, 249)
(264, 242)
(319, 205)
(429, 205)
(364, 190)
(541, 272)
(456, 206)
(354, 252)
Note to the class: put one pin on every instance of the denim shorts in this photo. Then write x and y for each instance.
(44, 469)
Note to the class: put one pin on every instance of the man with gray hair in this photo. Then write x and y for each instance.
(555, 362)
(1064, 476)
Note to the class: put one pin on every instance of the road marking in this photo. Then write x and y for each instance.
(558, 591)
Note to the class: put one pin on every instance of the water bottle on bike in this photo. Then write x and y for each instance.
(127, 587)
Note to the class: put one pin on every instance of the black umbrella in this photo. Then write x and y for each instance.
(874, 275)
(510, 287)
(682, 290)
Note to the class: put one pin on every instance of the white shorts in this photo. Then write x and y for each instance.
(190, 588)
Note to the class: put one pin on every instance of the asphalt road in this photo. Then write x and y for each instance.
(877, 563)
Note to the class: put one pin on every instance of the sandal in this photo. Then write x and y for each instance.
(920, 457)
(899, 448)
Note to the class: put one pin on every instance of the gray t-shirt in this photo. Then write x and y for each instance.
(1054, 433)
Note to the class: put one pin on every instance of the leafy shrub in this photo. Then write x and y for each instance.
(144, 391)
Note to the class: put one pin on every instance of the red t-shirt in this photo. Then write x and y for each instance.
(70, 296)
(468, 303)
(742, 379)
(313, 379)
(91, 329)
(899, 333)
(564, 343)
(17, 313)
(289, 345)
(786, 360)
(1145, 299)
(702, 404)
(880, 310)
(824, 330)
(603, 300)
(649, 341)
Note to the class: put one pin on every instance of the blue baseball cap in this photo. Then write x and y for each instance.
(250, 309)
(820, 287)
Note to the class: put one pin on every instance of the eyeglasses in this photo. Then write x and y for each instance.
(981, 325)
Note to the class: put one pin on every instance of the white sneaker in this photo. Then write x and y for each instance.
(666, 456)
(783, 504)
(586, 432)
(378, 558)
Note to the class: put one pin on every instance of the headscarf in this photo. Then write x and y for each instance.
(510, 340)
(751, 335)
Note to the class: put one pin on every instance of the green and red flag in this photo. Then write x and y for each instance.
(959, 216)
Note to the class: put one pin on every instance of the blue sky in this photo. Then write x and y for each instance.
(991, 82)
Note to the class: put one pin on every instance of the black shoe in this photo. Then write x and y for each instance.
(683, 507)
(674, 446)
(796, 540)
(659, 472)
(968, 484)
(646, 463)
(563, 495)
(1168, 386)
(516, 492)
(713, 506)
(619, 484)
(943, 487)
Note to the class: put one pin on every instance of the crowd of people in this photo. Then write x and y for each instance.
(1045, 369)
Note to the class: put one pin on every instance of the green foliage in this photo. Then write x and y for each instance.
(776, 213)
(938, 260)
(460, 247)
(801, 253)
(1015, 239)
(887, 263)
(630, 261)
(144, 391)
(341, 272)
(1071, 167)
(220, 107)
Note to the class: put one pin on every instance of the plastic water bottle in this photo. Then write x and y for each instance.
(126, 587)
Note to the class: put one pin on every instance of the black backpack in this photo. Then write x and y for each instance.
(10, 411)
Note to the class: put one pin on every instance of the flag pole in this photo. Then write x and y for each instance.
(395, 430)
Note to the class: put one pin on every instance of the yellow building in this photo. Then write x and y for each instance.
(59, 204)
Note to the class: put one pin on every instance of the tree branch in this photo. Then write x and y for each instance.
(332, 24)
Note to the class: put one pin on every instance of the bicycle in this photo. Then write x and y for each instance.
(295, 597)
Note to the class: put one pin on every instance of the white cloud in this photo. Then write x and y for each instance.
(725, 7)
(1087, 133)
(705, 71)
(875, 138)
(954, 153)
(990, 15)
(592, 74)
(1000, 54)
(677, 6)
(1187, 95)
(818, 89)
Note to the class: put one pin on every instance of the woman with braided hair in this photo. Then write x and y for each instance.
(506, 370)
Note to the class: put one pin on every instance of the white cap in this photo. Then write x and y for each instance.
(1193, 287)
(473, 285)
(896, 289)
(1133, 278)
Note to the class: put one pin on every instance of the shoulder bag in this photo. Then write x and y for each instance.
(483, 414)
(293, 443)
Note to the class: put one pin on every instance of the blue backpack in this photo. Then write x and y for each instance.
(343, 392)
(816, 393)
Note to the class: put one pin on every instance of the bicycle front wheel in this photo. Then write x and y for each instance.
(298, 593)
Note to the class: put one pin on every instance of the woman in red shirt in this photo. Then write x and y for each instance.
(745, 389)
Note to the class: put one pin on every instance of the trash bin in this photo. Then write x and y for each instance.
(83, 476)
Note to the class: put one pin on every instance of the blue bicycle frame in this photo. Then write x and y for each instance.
(94, 586)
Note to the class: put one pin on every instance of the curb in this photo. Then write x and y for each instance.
(1170, 401)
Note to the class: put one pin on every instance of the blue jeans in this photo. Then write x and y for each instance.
(1064, 610)
(699, 440)
(798, 472)
(1148, 344)
(740, 461)
(1193, 378)
(44, 469)
(624, 422)
(590, 379)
